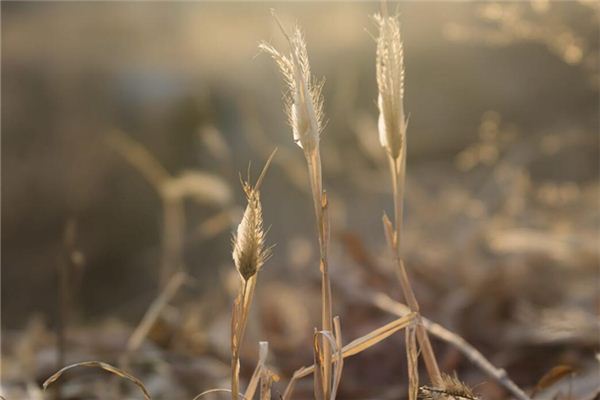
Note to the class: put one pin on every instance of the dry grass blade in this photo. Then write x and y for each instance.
(154, 311)
(319, 382)
(266, 382)
(388, 229)
(356, 346)
(298, 374)
(372, 338)
(215, 225)
(210, 391)
(173, 214)
(98, 364)
(322, 215)
(339, 358)
(412, 359)
(263, 351)
(140, 158)
(384, 302)
(239, 318)
(200, 186)
(393, 239)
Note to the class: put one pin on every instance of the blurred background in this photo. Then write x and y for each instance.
(125, 126)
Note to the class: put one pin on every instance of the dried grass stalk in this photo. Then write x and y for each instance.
(355, 347)
(249, 255)
(304, 106)
(319, 362)
(210, 391)
(412, 359)
(392, 135)
(153, 313)
(338, 356)
(98, 364)
(263, 351)
(266, 381)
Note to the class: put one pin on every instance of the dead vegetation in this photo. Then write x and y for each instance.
(363, 284)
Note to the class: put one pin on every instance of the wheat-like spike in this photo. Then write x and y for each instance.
(249, 250)
(390, 83)
(303, 99)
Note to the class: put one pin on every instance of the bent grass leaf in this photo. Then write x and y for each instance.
(98, 364)
(356, 346)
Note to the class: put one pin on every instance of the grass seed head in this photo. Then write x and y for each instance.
(249, 252)
(303, 99)
(390, 83)
(453, 388)
(249, 249)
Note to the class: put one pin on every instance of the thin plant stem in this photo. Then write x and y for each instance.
(245, 301)
(397, 167)
(235, 355)
(172, 238)
(154, 311)
(320, 205)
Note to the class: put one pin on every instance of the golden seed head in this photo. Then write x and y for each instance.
(390, 83)
(249, 251)
(303, 99)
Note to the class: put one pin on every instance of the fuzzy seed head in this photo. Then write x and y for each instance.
(453, 388)
(303, 98)
(390, 83)
(249, 251)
